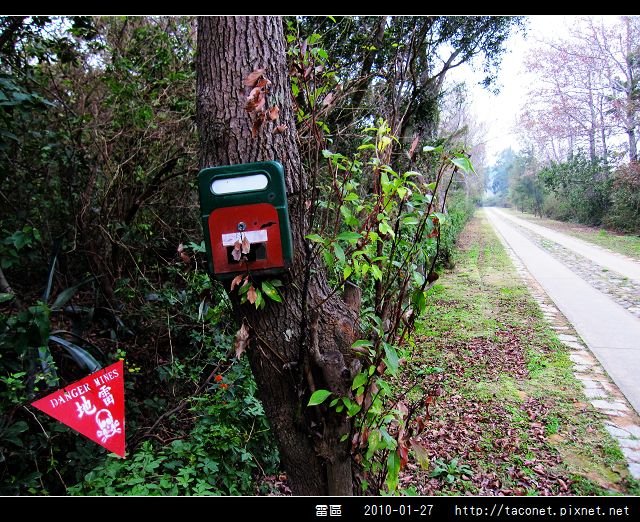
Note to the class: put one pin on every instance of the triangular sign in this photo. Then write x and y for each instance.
(93, 406)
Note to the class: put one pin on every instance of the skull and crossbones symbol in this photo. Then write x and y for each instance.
(108, 426)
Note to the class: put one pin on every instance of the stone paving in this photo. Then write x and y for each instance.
(621, 421)
(621, 289)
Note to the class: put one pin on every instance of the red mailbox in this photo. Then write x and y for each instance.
(258, 224)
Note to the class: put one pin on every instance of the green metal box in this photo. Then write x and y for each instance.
(245, 207)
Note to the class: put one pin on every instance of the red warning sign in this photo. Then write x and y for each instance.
(93, 406)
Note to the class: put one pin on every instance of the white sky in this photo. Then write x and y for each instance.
(499, 112)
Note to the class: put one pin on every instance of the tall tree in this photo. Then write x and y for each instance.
(301, 344)
(396, 66)
(620, 50)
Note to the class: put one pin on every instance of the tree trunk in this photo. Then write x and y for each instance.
(303, 343)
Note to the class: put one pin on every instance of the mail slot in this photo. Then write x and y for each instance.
(245, 218)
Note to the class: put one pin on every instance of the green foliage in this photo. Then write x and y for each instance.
(387, 240)
(34, 450)
(459, 211)
(97, 149)
(625, 200)
(585, 185)
(227, 448)
(450, 471)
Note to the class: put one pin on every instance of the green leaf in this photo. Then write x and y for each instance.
(348, 236)
(328, 258)
(271, 292)
(82, 358)
(360, 379)
(362, 342)
(352, 407)
(12, 433)
(315, 238)
(376, 272)
(385, 228)
(68, 293)
(391, 358)
(339, 252)
(393, 470)
(419, 301)
(410, 220)
(428, 148)
(442, 218)
(374, 441)
(418, 278)
(318, 397)
(463, 163)
(5, 297)
(260, 303)
(422, 455)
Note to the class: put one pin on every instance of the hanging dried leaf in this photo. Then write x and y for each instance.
(180, 248)
(242, 340)
(264, 83)
(403, 452)
(246, 246)
(414, 144)
(280, 129)
(256, 100)
(236, 281)
(252, 295)
(257, 124)
(328, 99)
(252, 78)
(273, 113)
(236, 254)
(186, 259)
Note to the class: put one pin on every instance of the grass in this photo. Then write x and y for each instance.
(521, 421)
(628, 245)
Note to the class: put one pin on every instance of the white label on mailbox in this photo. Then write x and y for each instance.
(254, 236)
(240, 184)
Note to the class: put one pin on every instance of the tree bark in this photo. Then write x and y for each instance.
(303, 343)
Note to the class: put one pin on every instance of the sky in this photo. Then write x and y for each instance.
(499, 112)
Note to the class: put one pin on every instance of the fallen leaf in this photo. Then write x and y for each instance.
(246, 246)
(273, 113)
(252, 295)
(242, 340)
(253, 77)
